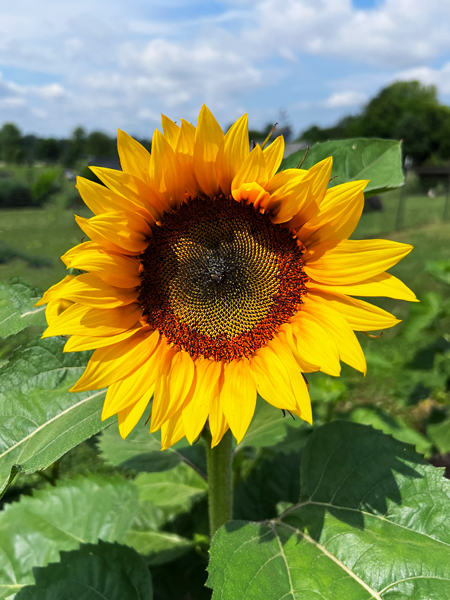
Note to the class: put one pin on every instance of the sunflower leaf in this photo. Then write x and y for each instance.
(378, 160)
(34, 530)
(103, 570)
(440, 435)
(158, 547)
(141, 450)
(371, 522)
(173, 491)
(17, 310)
(40, 420)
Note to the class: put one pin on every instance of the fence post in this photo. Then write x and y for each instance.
(400, 207)
(447, 202)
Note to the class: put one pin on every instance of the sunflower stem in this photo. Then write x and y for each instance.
(220, 481)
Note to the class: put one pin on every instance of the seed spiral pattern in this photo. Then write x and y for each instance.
(219, 278)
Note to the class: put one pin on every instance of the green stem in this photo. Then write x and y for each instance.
(220, 481)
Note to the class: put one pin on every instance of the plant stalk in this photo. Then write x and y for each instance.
(220, 481)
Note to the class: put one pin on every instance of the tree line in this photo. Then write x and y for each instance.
(18, 149)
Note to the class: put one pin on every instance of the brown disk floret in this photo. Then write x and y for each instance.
(219, 278)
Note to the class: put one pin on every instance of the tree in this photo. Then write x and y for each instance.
(99, 144)
(11, 150)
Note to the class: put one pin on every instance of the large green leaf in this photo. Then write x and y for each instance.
(439, 269)
(380, 161)
(34, 530)
(440, 435)
(158, 546)
(423, 315)
(173, 491)
(372, 523)
(17, 309)
(40, 419)
(94, 571)
(141, 451)
(390, 425)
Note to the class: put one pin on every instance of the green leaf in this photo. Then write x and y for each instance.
(141, 451)
(273, 479)
(372, 523)
(378, 160)
(390, 425)
(17, 309)
(439, 269)
(158, 547)
(34, 530)
(270, 426)
(173, 491)
(94, 571)
(439, 434)
(423, 315)
(40, 419)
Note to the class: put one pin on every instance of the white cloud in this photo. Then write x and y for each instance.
(110, 65)
(346, 99)
(428, 76)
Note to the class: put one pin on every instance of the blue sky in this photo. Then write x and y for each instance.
(108, 65)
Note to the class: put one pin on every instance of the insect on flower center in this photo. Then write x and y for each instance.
(219, 278)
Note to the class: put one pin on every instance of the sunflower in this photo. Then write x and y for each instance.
(211, 278)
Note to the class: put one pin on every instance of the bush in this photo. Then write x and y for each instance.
(45, 184)
(14, 194)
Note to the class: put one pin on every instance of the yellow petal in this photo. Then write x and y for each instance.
(206, 391)
(185, 155)
(208, 138)
(55, 307)
(238, 396)
(166, 174)
(232, 153)
(101, 200)
(134, 189)
(338, 215)
(351, 261)
(171, 131)
(334, 323)
(77, 343)
(113, 363)
(172, 431)
(117, 270)
(252, 193)
(314, 344)
(173, 384)
(84, 320)
(273, 156)
(90, 290)
(129, 417)
(55, 291)
(290, 194)
(383, 284)
(305, 362)
(127, 391)
(360, 315)
(134, 158)
(319, 175)
(129, 232)
(252, 170)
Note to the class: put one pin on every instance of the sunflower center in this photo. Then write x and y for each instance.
(219, 278)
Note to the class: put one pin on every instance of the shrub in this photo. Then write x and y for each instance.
(14, 194)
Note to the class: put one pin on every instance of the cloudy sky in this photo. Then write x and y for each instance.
(105, 64)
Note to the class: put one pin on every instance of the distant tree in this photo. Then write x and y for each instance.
(11, 150)
(75, 147)
(29, 143)
(99, 144)
(48, 150)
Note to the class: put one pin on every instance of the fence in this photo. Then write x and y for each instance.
(411, 206)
